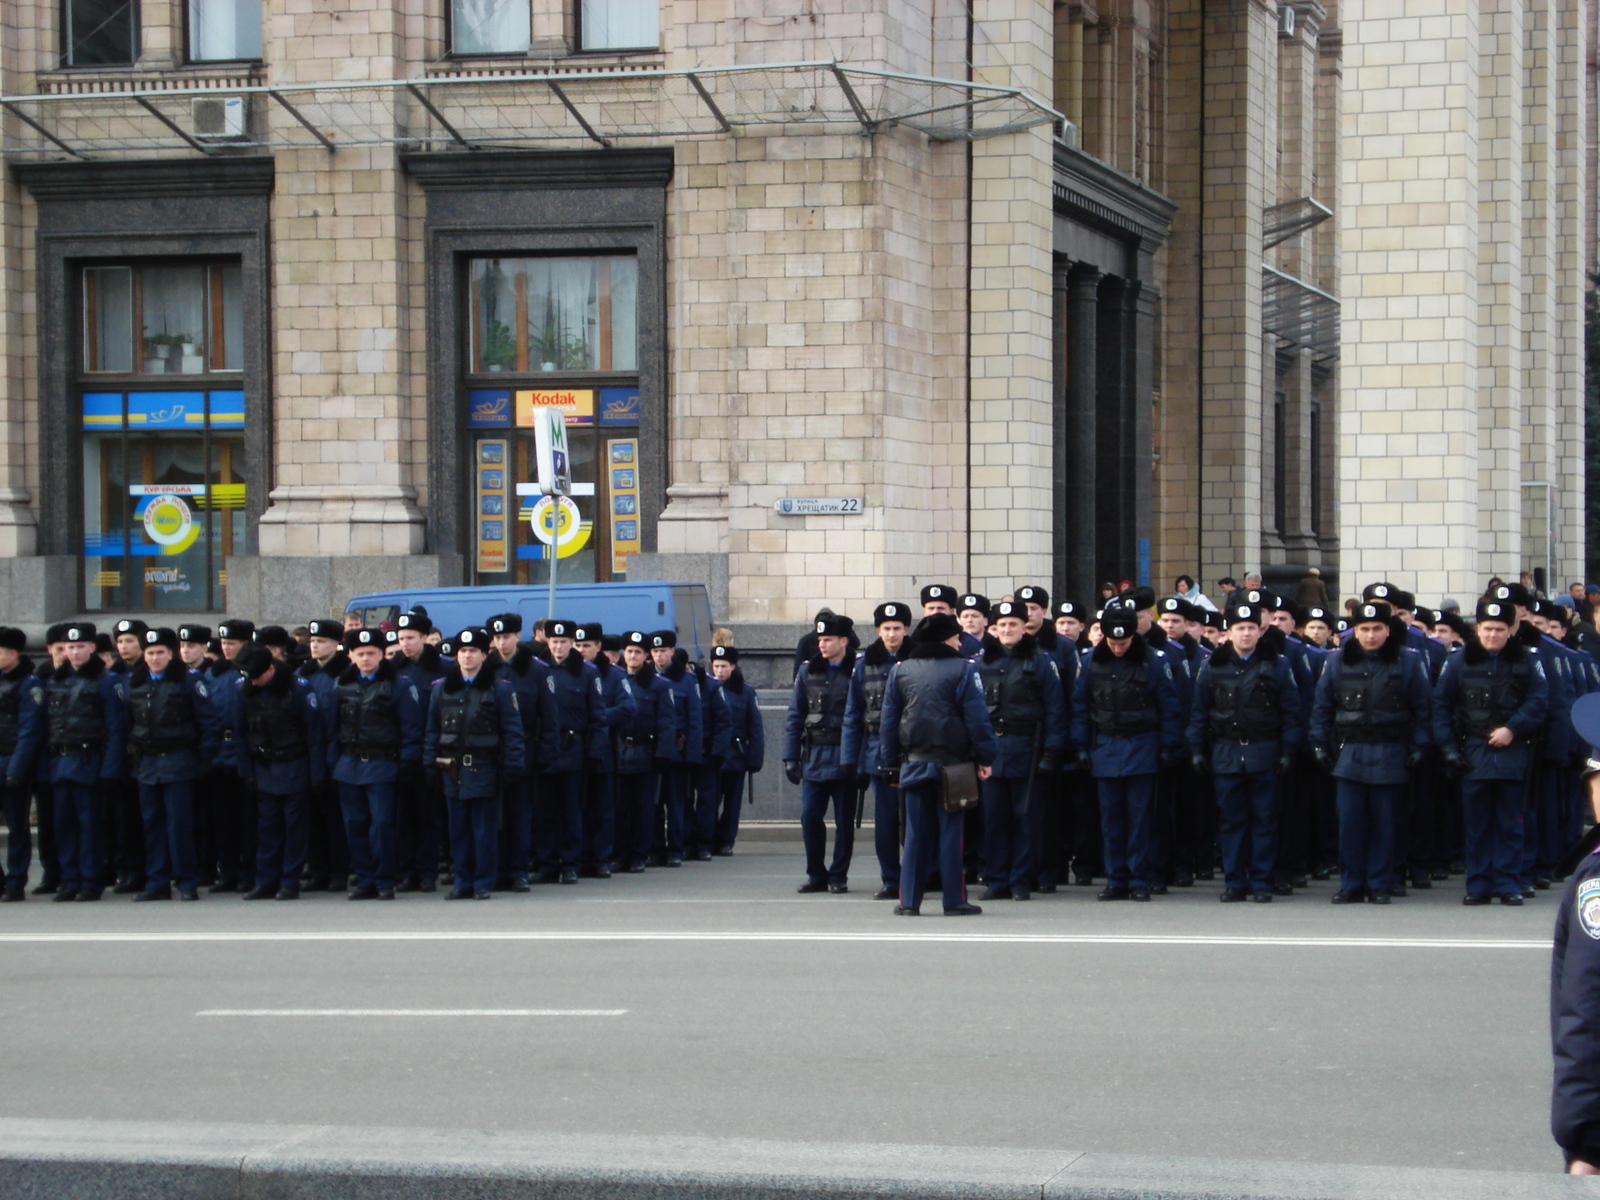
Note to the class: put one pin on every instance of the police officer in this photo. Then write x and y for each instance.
(86, 727)
(648, 742)
(571, 743)
(172, 729)
(21, 740)
(942, 598)
(617, 710)
(279, 734)
(934, 717)
(43, 798)
(233, 812)
(1027, 711)
(419, 800)
(1370, 726)
(813, 738)
(700, 823)
(740, 746)
(1488, 706)
(1245, 728)
(527, 674)
(863, 720)
(327, 853)
(1127, 722)
(474, 737)
(972, 610)
(377, 726)
(123, 853)
(677, 776)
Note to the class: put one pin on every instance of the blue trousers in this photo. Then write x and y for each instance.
(730, 792)
(75, 810)
(326, 852)
(1126, 805)
(600, 819)
(474, 837)
(1008, 826)
(558, 824)
(927, 821)
(417, 833)
(701, 825)
(1366, 833)
(369, 828)
(169, 853)
(636, 815)
(19, 837)
(886, 830)
(674, 804)
(1492, 817)
(283, 831)
(815, 796)
(516, 829)
(1247, 827)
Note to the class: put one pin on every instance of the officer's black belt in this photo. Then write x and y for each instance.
(632, 743)
(464, 760)
(374, 755)
(1014, 728)
(75, 748)
(227, 735)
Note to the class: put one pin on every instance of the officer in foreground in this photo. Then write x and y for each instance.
(863, 722)
(813, 734)
(283, 754)
(21, 740)
(933, 717)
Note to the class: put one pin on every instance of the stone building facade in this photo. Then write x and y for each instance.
(1042, 292)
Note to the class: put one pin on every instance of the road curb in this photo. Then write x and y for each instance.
(93, 1160)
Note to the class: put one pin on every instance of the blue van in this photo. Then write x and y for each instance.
(684, 607)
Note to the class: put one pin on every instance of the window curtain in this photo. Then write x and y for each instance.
(620, 24)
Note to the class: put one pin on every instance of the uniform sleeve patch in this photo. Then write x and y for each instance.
(1587, 905)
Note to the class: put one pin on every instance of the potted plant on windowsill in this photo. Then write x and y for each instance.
(499, 351)
(160, 351)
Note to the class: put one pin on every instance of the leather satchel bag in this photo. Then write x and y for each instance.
(960, 786)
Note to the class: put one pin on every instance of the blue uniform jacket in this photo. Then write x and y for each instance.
(859, 745)
(1238, 758)
(180, 766)
(741, 742)
(817, 763)
(17, 766)
(481, 780)
(686, 699)
(408, 710)
(1178, 666)
(526, 672)
(89, 769)
(1485, 761)
(1014, 752)
(1374, 762)
(1558, 735)
(296, 777)
(425, 670)
(968, 701)
(712, 714)
(616, 709)
(578, 729)
(222, 689)
(1118, 757)
(650, 737)
(324, 682)
(1575, 1015)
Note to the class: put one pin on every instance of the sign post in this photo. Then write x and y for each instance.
(555, 478)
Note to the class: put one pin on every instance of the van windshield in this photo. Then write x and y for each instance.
(377, 615)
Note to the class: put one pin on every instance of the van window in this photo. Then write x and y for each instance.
(378, 614)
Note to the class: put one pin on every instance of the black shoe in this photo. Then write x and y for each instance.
(1266, 897)
(900, 910)
(724, 852)
(1542, 882)
(1083, 881)
(1183, 877)
(89, 895)
(1528, 893)
(518, 884)
(1021, 894)
(962, 910)
(1511, 901)
(193, 894)
(636, 867)
(673, 860)
(458, 893)
(386, 893)
(702, 855)
(1421, 881)
(1157, 889)
(14, 894)
(261, 891)
(1349, 896)
(887, 893)
(812, 885)
(1458, 866)
(1232, 895)
(47, 889)
(1379, 897)
(1205, 876)
(408, 885)
(569, 876)
(287, 893)
(317, 883)
(1282, 889)
(1140, 893)
(1322, 874)
(995, 893)
(62, 895)
(154, 894)
(1046, 889)
(367, 891)
(481, 894)
(1397, 890)
(224, 885)
(1299, 881)
(1113, 893)
(603, 871)
(1439, 876)
(838, 889)
(127, 887)
(547, 875)
(1475, 899)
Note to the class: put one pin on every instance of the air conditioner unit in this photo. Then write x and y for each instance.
(1285, 21)
(219, 118)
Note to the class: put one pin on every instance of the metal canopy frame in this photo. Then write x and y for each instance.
(1300, 315)
(471, 111)
(1291, 218)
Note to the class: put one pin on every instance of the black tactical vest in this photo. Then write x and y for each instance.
(1372, 704)
(469, 720)
(931, 726)
(367, 721)
(874, 680)
(1014, 693)
(11, 686)
(1244, 700)
(273, 729)
(1491, 691)
(161, 714)
(827, 692)
(76, 716)
(1121, 703)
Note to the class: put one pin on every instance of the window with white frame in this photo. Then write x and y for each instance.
(490, 26)
(619, 24)
(224, 30)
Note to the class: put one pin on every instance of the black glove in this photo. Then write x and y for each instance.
(1321, 758)
(791, 771)
(1049, 763)
(1201, 764)
(1285, 764)
(1416, 758)
(1455, 764)
(891, 776)
(1171, 756)
(847, 773)
(1083, 763)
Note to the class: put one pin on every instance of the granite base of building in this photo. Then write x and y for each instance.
(37, 590)
(291, 590)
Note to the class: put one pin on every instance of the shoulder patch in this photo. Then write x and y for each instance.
(515, 707)
(1587, 905)
(36, 694)
(550, 682)
(415, 697)
(599, 688)
(200, 690)
(311, 698)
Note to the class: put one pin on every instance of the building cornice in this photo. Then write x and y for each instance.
(523, 169)
(143, 179)
(1088, 190)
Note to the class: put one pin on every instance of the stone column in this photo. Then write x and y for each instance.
(1143, 305)
(1575, 192)
(1112, 518)
(1079, 485)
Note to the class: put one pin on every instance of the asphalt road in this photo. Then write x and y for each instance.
(713, 1000)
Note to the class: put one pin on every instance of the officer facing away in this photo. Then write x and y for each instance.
(812, 737)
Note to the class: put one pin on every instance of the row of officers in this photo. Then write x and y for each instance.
(163, 759)
(1398, 746)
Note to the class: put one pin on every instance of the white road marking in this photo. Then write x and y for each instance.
(411, 1012)
(903, 937)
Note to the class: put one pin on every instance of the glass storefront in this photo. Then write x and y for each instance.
(163, 461)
